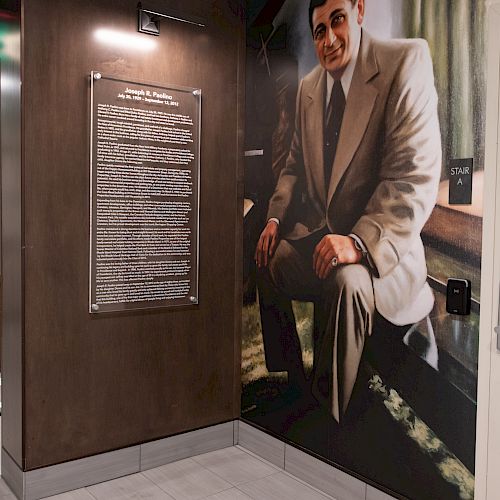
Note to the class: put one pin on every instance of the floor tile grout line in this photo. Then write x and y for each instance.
(229, 482)
(257, 479)
(280, 470)
(300, 480)
(305, 483)
(258, 457)
(219, 476)
(191, 458)
(322, 493)
(169, 494)
(254, 455)
(244, 492)
(246, 452)
(283, 469)
(153, 483)
(86, 488)
(217, 493)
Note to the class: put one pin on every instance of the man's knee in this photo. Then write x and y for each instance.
(352, 279)
(275, 262)
(291, 272)
(283, 253)
(349, 291)
(280, 264)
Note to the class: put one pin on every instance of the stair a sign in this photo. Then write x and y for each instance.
(461, 181)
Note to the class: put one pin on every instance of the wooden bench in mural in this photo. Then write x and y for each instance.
(433, 364)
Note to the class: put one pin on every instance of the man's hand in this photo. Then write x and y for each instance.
(267, 244)
(334, 246)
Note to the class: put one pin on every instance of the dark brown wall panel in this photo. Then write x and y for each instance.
(98, 383)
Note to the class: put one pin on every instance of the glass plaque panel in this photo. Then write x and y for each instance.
(145, 157)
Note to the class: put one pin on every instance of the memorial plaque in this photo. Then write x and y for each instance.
(145, 143)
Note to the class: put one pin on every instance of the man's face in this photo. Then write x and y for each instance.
(336, 30)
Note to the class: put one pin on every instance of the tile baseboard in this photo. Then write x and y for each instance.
(189, 444)
(374, 494)
(12, 474)
(60, 478)
(321, 475)
(262, 444)
(56, 479)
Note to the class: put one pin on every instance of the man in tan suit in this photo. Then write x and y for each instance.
(345, 219)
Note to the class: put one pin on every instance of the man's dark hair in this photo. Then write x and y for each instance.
(318, 3)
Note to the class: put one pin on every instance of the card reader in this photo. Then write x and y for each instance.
(458, 296)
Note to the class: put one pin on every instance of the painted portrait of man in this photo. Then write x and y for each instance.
(345, 218)
(356, 111)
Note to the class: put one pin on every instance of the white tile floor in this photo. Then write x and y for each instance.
(228, 474)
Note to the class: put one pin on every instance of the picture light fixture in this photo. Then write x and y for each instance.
(149, 21)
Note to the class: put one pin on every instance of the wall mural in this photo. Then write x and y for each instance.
(355, 111)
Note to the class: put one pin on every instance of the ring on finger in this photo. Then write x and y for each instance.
(334, 262)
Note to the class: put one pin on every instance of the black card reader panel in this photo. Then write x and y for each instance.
(458, 296)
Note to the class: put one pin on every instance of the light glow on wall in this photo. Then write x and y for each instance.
(10, 45)
(9, 83)
(124, 40)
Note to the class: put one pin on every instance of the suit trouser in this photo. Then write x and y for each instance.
(346, 306)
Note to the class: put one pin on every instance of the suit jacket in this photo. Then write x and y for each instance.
(385, 174)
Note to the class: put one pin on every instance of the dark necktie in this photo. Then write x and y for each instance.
(333, 122)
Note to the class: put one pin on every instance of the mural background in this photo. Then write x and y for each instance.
(415, 434)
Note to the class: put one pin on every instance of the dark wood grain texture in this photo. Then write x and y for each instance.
(445, 231)
(97, 383)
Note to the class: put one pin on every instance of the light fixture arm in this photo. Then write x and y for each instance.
(149, 20)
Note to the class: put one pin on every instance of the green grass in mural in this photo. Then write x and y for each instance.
(253, 366)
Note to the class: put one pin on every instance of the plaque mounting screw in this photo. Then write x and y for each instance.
(97, 76)
(194, 300)
(95, 307)
(197, 92)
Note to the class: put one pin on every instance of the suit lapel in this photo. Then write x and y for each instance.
(315, 129)
(359, 107)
